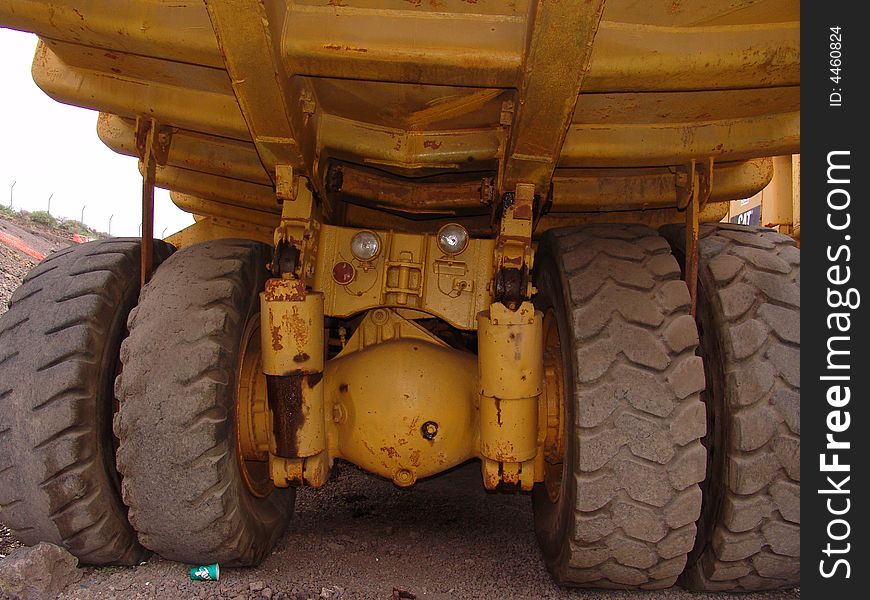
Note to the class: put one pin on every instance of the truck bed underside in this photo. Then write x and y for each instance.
(407, 113)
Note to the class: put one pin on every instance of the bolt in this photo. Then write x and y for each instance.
(429, 430)
(403, 478)
(380, 316)
(338, 413)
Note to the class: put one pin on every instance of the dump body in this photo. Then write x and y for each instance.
(406, 113)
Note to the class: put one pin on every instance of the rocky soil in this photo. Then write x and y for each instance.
(361, 537)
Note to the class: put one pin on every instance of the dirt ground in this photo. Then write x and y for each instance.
(361, 537)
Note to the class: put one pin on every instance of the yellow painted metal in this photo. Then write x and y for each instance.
(513, 253)
(381, 423)
(693, 229)
(416, 89)
(242, 30)
(170, 102)
(665, 144)
(292, 332)
(641, 56)
(385, 325)
(252, 415)
(214, 228)
(559, 46)
(293, 350)
(410, 271)
(268, 99)
(647, 43)
(192, 151)
(428, 415)
(777, 201)
(262, 222)
(419, 421)
(453, 288)
(550, 463)
(178, 31)
(509, 344)
(796, 197)
(510, 362)
(222, 191)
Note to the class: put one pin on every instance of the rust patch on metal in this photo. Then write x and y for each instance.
(510, 477)
(340, 47)
(275, 331)
(390, 451)
(284, 290)
(433, 144)
(285, 401)
(298, 329)
(505, 452)
(301, 358)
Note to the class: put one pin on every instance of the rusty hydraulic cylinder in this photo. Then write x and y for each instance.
(511, 374)
(293, 350)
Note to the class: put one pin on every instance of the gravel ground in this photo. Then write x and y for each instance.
(361, 537)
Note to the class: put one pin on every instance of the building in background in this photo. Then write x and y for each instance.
(778, 205)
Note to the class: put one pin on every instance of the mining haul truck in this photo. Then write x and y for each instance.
(425, 233)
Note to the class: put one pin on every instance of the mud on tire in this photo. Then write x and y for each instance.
(629, 499)
(749, 319)
(182, 480)
(59, 347)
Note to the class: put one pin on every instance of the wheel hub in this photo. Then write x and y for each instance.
(252, 414)
(554, 405)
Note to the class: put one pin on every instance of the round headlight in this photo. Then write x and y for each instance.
(365, 245)
(452, 238)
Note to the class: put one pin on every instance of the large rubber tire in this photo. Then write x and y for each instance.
(59, 346)
(749, 318)
(182, 480)
(625, 515)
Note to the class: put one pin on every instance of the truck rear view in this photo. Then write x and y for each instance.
(426, 233)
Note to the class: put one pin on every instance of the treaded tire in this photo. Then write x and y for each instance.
(59, 346)
(182, 480)
(749, 318)
(625, 517)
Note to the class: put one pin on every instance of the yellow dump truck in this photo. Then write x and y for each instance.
(427, 232)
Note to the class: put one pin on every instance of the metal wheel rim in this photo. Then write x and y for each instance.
(251, 409)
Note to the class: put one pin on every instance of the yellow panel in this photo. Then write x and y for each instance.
(410, 272)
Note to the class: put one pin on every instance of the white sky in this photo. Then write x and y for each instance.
(47, 147)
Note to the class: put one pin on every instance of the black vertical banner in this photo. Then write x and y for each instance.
(835, 255)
